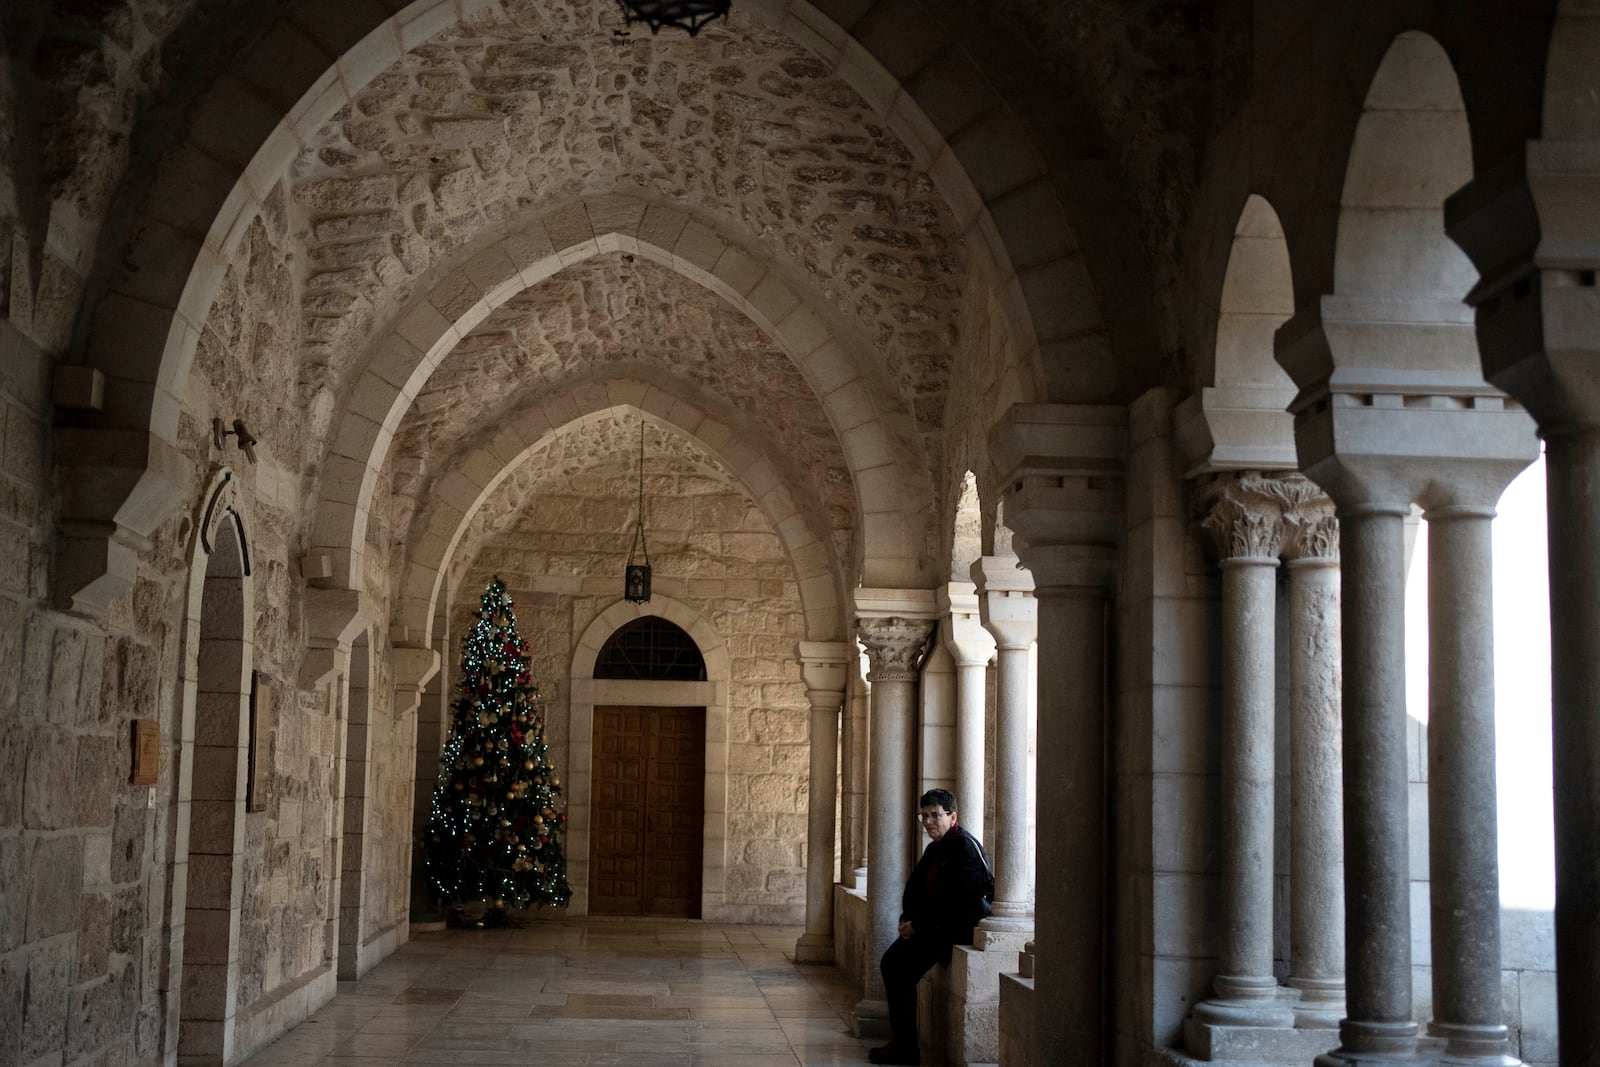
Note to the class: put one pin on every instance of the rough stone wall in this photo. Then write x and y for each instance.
(72, 80)
(387, 886)
(710, 548)
(288, 856)
(617, 314)
(510, 115)
(78, 956)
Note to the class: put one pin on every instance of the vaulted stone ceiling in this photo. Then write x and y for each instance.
(496, 122)
(601, 452)
(618, 315)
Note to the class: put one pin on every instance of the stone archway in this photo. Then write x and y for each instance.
(213, 748)
(145, 323)
(461, 495)
(712, 694)
(1240, 418)
(402, 360)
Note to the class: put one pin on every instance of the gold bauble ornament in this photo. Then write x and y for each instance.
(527, 765)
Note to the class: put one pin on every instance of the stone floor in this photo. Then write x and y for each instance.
(585, 992)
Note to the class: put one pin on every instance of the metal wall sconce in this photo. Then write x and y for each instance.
(687, 15)
(220, 434)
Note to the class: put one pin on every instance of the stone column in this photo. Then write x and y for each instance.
(853, 772)
(1244, 513)
(1534, 236)
(1063, 466)
(822, 665)
(1011, 614)
(972, 648)
(1377, 862)
(1463, 843)
(1316, 804)
(894, 644)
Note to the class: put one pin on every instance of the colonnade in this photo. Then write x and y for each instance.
(1338, 543)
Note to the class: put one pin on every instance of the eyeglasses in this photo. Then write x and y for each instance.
(931, 816)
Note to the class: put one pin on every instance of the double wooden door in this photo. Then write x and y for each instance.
(648, 814)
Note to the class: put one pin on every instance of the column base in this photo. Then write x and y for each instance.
(1320, 1005)
(1468, 1044)
(1019, 922)
(870, 1019)
(814, 948)
(1374, 1044)
(1247, 1000)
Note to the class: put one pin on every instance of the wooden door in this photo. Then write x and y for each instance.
(648, 814)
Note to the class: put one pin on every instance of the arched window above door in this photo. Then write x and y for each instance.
(650, 649)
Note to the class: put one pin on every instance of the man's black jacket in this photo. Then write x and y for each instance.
(944, 895)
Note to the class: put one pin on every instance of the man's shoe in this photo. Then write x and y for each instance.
(895, 1054)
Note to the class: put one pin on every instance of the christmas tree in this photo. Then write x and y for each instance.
(494, 834)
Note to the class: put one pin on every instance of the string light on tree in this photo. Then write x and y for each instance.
(494, 832)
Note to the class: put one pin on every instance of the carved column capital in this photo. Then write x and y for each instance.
(1312, 532)
(1255, 514)
(894, 646)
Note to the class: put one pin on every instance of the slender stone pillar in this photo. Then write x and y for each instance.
(822, 665)
(1537, 339)
(894, 645)
(1244, 514)
(1377, 862)
(1463, 845)
(853, 772)
(1011, 614)
(1316, 803)
(972, 648)
(1063, 466)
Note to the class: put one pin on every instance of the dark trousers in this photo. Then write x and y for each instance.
(903, 966)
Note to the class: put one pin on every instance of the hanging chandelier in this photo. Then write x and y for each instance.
(688, 15)
(636, 576)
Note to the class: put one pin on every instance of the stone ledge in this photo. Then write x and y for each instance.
(1208, 1043)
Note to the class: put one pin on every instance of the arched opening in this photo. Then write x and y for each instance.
(213, 760)
(650, 649)
(1257, 298)
(1412, 149)
(357, 757)
(648, 811)
(966, 542)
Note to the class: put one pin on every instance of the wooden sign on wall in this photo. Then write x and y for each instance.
(146, 752)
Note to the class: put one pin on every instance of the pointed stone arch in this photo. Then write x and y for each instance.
(463, 491)
(208, 804)
(892, 513)
(1239, 419)
(184, 217)
(712, 694)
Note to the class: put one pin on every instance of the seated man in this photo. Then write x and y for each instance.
(943, 901)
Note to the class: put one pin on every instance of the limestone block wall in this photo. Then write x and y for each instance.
(711, 549)
(288, 853)
(387, 878)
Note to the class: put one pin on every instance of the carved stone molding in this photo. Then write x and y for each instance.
(1264, 515)
(894, 646)
(1313, 531)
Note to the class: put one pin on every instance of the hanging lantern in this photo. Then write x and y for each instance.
(689, 15)
(636, 576)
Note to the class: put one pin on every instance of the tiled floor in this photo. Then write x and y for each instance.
(585, 992)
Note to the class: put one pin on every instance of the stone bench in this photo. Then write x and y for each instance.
(958, 1007)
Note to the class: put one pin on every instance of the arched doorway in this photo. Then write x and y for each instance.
(214, 752)
(647, 831)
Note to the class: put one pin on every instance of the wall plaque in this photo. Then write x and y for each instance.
(146, 752)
